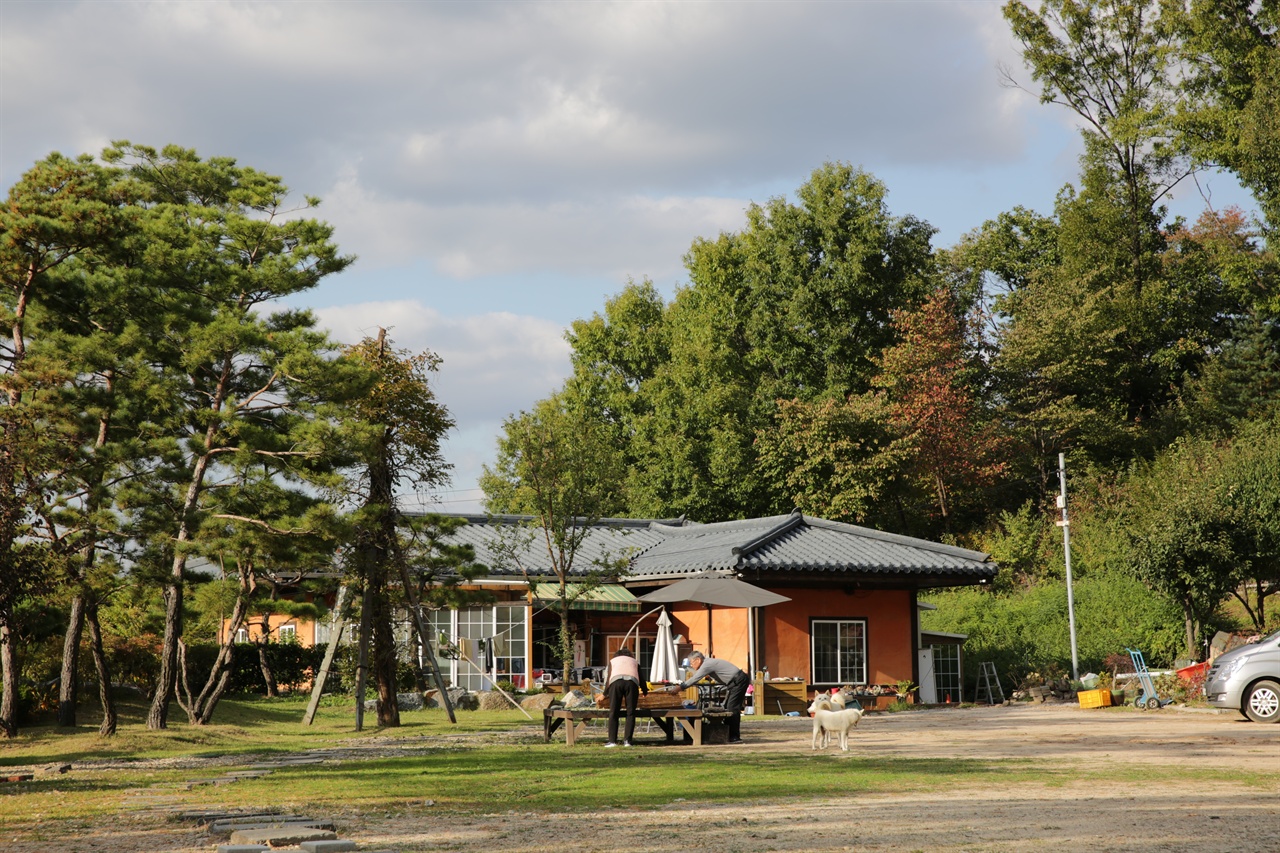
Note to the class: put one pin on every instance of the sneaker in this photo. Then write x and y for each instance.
(610, 745)
(628, 743)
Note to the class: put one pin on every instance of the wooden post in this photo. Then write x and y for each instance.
(362, 661)
(339, 623)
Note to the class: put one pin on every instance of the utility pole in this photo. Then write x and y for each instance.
(1065, 524)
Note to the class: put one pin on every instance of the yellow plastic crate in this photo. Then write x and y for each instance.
(1094, 698)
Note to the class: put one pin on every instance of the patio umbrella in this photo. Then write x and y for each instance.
(666, 662)
(717, 588)
(714, 588)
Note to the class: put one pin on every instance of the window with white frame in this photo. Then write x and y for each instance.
(501, 627)
(288, 633)
(839, 651)
(946, 671)
(242, 635)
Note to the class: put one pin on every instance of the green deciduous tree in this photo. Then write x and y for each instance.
(796, 306)
(1230, 114)
(835, 459)
(1111, 63)
(1251, 477)
(558, 467)
(1178, 519)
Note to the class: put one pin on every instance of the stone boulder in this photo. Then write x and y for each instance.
(404, 701)
(492, 700)
(461, 699)
(538, 702)
(577, 699)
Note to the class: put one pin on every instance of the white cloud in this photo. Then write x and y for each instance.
(492, 364)
(614, 238)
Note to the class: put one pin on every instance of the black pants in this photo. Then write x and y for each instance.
(622, 690)
(735, 700)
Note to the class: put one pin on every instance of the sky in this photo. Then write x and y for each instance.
(500, 169)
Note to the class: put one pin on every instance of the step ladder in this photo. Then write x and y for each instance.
(988, 685)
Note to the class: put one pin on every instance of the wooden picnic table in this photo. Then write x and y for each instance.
(575, 721)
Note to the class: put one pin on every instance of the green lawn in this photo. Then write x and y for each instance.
(456, 767)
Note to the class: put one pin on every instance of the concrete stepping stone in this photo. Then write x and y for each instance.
(282, 837)
(196, 783)
(204, 816)
(340, 845)
(226, 827)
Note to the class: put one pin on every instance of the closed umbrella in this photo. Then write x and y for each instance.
(666, 661)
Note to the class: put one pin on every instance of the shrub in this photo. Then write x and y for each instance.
(1026, 631)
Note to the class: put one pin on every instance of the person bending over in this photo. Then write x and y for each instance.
(725, 673)
(622, 685)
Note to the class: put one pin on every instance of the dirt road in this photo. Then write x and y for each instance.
(1103, 816)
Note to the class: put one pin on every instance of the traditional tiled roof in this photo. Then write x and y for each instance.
(496, 538)
(783, 548)
(799, 545)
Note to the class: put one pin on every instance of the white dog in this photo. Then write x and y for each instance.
(839, 699)
(821, 702)
(826, 720)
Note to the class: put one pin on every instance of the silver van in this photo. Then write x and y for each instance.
(1247, 680)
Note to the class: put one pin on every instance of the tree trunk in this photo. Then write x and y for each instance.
(379, 550)
(157, 717)
(68, 686)
(1189, 623)
(8, 672)
(201, 711)
(385, 661)
(566, 641)
(108, 727)
(362, 656)
(268, 677)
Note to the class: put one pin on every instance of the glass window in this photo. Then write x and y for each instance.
(288, 633)
(501, 629)
(839, 651)
(946, 671)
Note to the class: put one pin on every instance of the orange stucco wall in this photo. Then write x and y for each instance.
(305, 627)
(728, 630)
(785, 630)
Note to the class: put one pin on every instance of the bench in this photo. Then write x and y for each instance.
(575, 721)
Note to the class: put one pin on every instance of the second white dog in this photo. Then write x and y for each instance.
(827, 722)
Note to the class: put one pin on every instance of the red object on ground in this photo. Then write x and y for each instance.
(1193, 673)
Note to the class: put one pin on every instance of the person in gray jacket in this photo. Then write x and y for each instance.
(725, 673)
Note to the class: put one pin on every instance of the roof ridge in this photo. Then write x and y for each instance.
(898, 538)
(516, 518)
(789, 523)
(695, 528)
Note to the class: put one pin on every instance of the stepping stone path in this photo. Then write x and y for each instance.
(252, 831)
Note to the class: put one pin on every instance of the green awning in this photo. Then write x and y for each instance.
(607, 596)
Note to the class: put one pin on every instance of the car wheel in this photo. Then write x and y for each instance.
(1263, 703)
